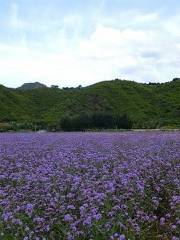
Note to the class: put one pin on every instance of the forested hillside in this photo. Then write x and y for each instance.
(145, 105)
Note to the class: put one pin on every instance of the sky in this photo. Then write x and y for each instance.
(81, 42)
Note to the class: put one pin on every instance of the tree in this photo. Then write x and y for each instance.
(54, 86)
(101, 120)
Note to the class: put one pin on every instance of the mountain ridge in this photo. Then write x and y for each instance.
(31, 86)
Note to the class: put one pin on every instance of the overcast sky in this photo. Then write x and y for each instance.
(72, 42)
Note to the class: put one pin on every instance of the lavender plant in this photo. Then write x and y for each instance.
(94, 186)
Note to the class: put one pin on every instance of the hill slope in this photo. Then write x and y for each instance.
(147, 105)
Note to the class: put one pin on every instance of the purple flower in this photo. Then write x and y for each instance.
(71, 207)
(87, 221)
(175, 238)
(68, 218)
(84, 180)
(116, 235)
(173, 227)
(29, 209)
(7, 216)
(97, 216)
(122, 237)
(162, 221)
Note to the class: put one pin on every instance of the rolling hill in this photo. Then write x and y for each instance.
(147, 105)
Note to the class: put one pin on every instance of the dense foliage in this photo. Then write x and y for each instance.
(90, 186)
(99, 120)
(146, 105)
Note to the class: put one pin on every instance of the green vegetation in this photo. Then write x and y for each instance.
(145, 105)
(91, 121)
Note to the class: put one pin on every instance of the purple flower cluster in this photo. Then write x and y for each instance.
(90, 186)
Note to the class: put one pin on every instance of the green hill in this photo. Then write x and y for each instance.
(147, 105)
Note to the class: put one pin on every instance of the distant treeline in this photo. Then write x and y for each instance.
(82, 122)
(95, 121)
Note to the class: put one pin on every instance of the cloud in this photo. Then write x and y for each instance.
(146, 48)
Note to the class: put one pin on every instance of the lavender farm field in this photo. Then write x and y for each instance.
(90, 186)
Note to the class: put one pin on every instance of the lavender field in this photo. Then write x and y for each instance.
(90, 186)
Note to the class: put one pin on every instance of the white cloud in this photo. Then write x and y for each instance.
(131, 52)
